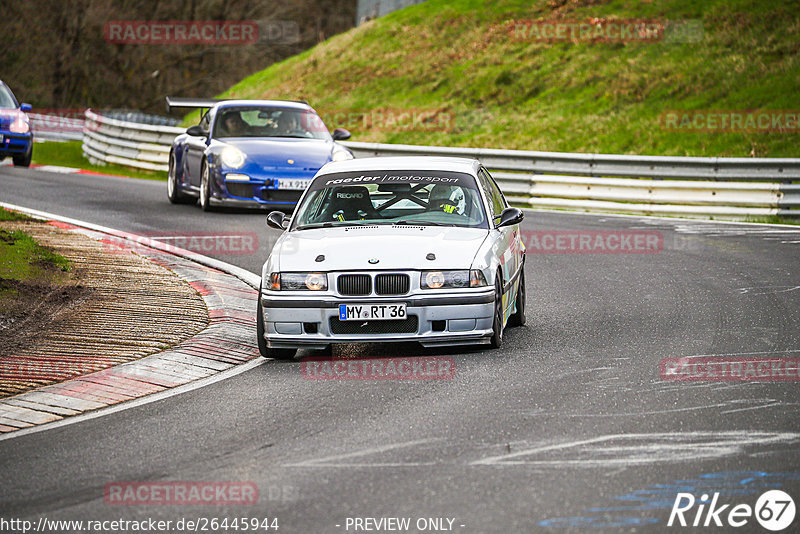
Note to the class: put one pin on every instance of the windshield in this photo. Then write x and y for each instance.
(6, 98)
(418, 198)
(264, 121)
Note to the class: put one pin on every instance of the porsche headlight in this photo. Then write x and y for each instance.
(341, 155)
(232, 157)
(451, 279)
(298, 281)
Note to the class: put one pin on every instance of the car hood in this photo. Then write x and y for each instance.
(395, 247)
(307, 154)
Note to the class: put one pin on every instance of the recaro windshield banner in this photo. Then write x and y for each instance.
(394, 177)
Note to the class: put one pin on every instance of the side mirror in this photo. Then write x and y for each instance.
(510, 216)
(340, 134)
(277, 219)
(25, 107)
(196, 131)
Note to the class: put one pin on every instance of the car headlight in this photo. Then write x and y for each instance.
(298, 282)
(452, 279)
(232, 157)
(20, 125)
(341, 155)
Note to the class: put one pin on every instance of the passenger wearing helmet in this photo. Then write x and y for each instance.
(444, 198)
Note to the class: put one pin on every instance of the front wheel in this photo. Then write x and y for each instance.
(205, 189)
(518, 317)
(24, 160)
(267, 352)
(173, 193)
(496, 340)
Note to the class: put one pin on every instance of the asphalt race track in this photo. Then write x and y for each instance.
(568, 427)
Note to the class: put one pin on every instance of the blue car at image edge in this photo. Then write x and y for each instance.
(16, 137)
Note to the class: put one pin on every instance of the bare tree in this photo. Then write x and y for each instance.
(57, 55)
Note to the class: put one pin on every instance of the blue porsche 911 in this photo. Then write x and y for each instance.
(249, 153)
(16, 138)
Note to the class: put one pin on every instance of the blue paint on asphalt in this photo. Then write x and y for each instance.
(662, 497)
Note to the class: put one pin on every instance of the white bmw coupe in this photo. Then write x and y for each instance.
(393, 249)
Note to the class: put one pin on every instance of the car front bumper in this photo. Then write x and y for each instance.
(441, 319)
(251, 203)
(258, 196)
(258, 192)
(14, 144)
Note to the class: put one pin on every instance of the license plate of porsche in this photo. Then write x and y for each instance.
(298, 184)
(372, 312)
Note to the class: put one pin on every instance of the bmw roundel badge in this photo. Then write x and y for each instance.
(373, 261)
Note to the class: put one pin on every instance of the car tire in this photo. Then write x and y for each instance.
(518, 317)
(496, 341)
(24, 160)
(268, 352)
(205, 189)
(174, 195)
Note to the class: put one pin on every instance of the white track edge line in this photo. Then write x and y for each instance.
(244, 275)
(134, 403)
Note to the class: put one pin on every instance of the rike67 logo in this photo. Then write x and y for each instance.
(774, 510)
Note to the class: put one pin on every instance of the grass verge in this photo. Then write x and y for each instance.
(23, 259)
(464, 63)
(70, 154)
(23, 262)
(774, 219)
(7, 215)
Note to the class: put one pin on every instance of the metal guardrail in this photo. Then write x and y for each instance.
(733, 188)
(56, 128)
(132, 144)
(651, 185)
(68, 125)
(603, 164)
(139, 117)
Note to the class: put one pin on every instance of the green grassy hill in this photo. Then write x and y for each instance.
(482, 83)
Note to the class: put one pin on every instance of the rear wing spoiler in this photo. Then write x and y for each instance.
(174, 102)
